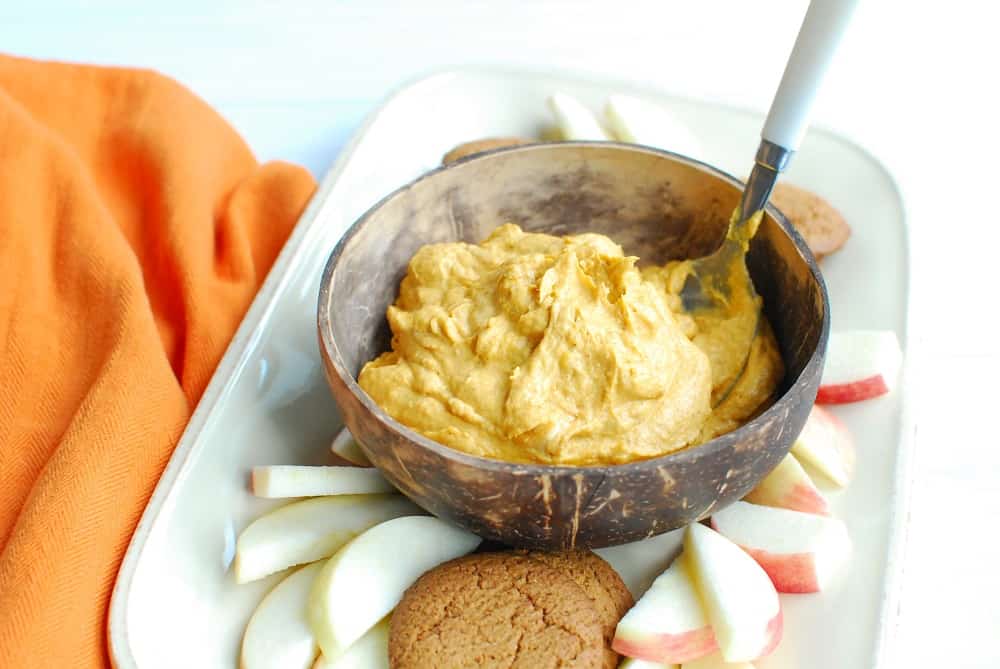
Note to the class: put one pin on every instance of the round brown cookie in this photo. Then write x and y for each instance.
(496, 610)
(822, 226)
(480, 145)
(601, 583)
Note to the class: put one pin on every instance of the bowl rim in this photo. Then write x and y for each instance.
(330, 350)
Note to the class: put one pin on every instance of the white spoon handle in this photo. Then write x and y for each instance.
(822, 28)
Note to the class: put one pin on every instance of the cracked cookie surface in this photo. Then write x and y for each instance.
(497, 610)
(601, 583)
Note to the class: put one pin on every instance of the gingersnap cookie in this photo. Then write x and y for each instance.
(480, 145)
(502, 610)
(822, 226)
(603, 586)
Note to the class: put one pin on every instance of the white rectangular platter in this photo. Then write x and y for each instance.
(177, 605)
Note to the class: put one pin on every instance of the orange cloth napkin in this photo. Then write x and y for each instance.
(135, 228)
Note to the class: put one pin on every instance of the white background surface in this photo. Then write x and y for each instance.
(916, 83)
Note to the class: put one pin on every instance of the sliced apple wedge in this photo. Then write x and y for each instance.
(640, 122)
(826, 446)
(640, 562)
(311, 530)
(346, 446)
(715, 661)
(274, 481)
(278, 635)
(371, 651)
(575, 121)
(366, 578)
(800, 552)
(860, 365)
(788, 486)
(668, 623)
(634, 663)
(739, 598)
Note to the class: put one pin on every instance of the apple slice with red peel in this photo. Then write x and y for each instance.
(311, 530)
(346, 446)
(668, 623)
(276, 481)
(800, 552)
(278, 635)
(860, 365)
(715, 661)
(788, 486)
(739, 598)
(635, 663)
(371, 651)
(826, 445)
(366, 578)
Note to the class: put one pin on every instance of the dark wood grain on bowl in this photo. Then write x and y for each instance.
(657, 206)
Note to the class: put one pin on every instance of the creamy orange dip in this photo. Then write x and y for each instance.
(534, 348)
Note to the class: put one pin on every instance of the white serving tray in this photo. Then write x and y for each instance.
(175, 603)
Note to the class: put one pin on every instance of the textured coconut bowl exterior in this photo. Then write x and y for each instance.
(658, 206)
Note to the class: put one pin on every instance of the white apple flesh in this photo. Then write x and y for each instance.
(860, 365)
(574, 120)
(801, 552)
(668, 623)
(277, 481)
(371, 651)
(278, 635)
(311, 530)
(788, 486)
(826, 446)
(739, 598)
(640, 562)
(641, 122)
(346, 446)
(715, 661)
(365, 579)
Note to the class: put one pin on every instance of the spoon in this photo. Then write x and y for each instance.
(718, 290)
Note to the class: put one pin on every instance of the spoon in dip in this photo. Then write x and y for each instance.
(718, 291)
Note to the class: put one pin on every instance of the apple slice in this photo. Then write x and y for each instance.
(634, 663)
(574, 120)
(668, 623)
(738, 596)
(788, 486)
(346, 446)
(640, 122)
(640, 562)
(715, 661)
(826, 446)
(366, 578)
(799, 551)
(371, 651)
(274, 481)
(860, 365)
(278, 635)
(311, 530)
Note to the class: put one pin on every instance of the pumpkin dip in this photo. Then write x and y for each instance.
(560, 350)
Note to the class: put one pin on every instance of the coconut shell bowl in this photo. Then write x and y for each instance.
(658, 206)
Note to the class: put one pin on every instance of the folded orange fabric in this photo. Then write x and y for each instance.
(135, 228)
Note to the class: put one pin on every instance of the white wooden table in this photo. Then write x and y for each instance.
(915, 83)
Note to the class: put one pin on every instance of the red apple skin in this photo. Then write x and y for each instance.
(793, 573)
(855, 391)
(669, 648)
(775, 629)
(803, 496)
(807, 500)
